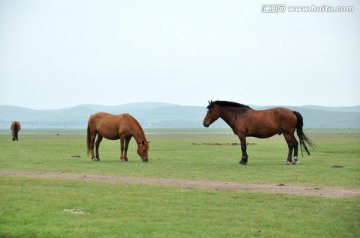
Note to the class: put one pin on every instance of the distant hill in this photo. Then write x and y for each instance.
(165, 115)
(334, 109)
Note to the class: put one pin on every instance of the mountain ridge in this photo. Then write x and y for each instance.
(165, 115)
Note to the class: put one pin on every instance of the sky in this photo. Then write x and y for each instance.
(63, 53)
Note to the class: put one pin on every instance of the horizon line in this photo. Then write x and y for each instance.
(174, 104)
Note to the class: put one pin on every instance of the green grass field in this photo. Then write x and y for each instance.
(34, 207)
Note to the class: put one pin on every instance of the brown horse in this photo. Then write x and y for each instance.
(245, 121)
(15, 128)
(115, 127)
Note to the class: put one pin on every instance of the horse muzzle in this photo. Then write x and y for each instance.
(206, 124)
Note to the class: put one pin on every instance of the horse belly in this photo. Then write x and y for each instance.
(264, 130)
(264, 135)
(108, 131)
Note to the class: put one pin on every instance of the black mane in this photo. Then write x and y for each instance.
(231, 104)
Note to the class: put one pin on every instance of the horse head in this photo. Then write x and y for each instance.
(143, 149)
(212, 114)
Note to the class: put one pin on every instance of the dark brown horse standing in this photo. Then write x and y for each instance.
(245, 121)
(115, 127)
(15, 128)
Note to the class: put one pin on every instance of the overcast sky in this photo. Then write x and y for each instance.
(63, 53)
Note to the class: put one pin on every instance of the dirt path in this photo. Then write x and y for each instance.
(205, 184)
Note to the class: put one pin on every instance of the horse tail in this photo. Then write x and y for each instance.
(88, 139)
(302, 137)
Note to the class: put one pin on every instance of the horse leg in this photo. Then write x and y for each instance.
(122, 147)
(92, 141)
(97, 144)
(296, 146)
(244, 157)
(127, 140)
(291, 147)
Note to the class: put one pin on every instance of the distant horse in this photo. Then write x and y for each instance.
(115, 127)
(15, 128)
(245, 121)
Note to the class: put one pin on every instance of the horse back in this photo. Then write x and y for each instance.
(269, 122)
(112, 126)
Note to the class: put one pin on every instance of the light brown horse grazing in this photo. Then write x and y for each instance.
(15, 128)
(245, 121)
(115, 127)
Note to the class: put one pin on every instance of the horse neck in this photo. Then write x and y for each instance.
(231, 114)
(139, 135)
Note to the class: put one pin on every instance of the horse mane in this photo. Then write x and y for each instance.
(141, 130)
(231, 104)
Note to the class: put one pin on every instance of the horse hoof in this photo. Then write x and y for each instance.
(295, 160)
(288, 162)
(243, 162)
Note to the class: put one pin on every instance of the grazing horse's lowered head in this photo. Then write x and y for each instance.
(143, 149)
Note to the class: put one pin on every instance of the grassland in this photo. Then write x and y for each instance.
(34, 207)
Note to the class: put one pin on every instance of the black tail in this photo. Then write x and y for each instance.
(302, 137)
